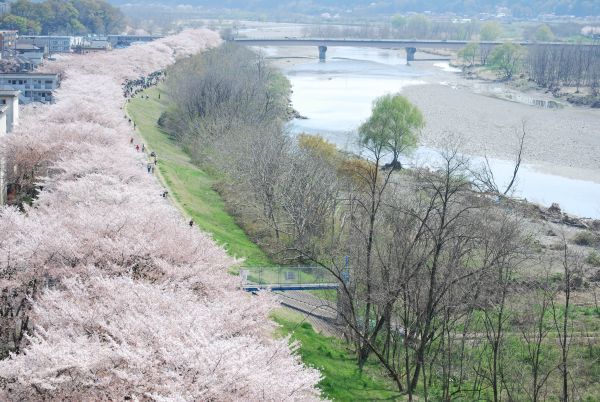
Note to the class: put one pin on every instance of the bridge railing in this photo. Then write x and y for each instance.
(300, 275)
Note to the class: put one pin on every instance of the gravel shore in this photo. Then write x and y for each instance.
(561, 141)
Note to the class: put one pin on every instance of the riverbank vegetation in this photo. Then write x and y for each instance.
(571, 71)
(193, 190)
(443, 285)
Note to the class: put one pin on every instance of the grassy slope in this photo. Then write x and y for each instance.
(342, 381)
(191, 187)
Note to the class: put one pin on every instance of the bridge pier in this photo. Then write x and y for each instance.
(410, 54)
(322, 53)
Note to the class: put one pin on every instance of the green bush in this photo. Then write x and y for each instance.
(586, 238)
(593, 259)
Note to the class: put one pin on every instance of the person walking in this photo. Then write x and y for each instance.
(191, 223)
(137, 147)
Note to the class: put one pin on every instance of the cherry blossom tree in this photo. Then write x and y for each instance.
(107, 293)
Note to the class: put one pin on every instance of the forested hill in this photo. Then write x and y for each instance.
(52, 17)
(519, 8)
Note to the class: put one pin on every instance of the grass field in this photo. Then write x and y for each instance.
(189, 186)
(342, 380)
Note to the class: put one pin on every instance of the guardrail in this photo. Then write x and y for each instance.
(286, 278)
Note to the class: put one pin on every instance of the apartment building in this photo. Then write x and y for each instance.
(53, 44)
(33, 87)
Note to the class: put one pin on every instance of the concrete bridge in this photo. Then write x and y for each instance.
(409, 45)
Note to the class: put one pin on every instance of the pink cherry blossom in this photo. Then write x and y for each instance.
(109, 293)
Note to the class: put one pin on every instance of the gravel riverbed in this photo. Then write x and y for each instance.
(561, 141)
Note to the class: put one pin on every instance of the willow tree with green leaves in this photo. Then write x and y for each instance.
(394, 126)
(507, 60)
(469, 53)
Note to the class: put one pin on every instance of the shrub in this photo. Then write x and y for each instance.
(586, 238)
(593, 259)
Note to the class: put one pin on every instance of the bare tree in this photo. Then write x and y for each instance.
(535, 329)
(572, 269)
(484, 178)
(568, 65)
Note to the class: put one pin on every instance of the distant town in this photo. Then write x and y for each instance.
(23, 55)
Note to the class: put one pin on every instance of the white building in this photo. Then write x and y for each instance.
(9, 118)
(118, 41)
(33, 87)
(10, 99)
(94, 44)
(54, 44)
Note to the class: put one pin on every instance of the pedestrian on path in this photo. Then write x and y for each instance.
(137, 147)
(131, 141)
(191, 223)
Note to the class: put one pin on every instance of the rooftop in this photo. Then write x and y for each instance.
(9, 92)
(26, 46)
(21, 75)
(49, 36)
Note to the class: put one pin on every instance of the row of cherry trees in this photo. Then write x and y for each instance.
(106, 292)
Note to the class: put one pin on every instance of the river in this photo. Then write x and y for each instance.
(479, 116)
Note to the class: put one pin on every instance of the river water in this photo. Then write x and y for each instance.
(336, 97)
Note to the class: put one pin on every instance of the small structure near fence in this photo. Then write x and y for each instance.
(287, 278)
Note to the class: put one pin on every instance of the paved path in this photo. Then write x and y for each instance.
(321, 314)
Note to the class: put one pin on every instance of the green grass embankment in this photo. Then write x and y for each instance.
(342, 381)
(189, 186)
